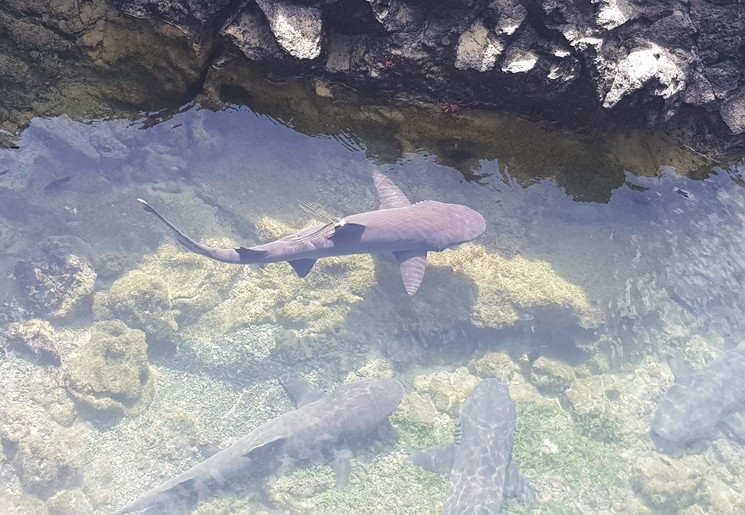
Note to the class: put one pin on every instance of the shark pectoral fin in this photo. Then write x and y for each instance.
(302, 267)
(300, 391)
(388, 193)
(438, 459)
(518, 488)
(412, 265)
(342, 468)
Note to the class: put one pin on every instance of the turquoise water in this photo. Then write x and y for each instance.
(585, 281)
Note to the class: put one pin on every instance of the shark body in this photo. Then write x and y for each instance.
(407, 230)
(690, 412)
(319, 422)
(479, 465)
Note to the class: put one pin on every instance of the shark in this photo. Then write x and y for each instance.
(322, 421)
(696, 406)
(479, 463)
(409, 231)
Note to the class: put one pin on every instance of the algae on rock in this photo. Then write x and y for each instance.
(111, 371)
(50, 460)
(169, 288)
(35, 336)
(141, 301)
(509, 290)
(69, 502)
(55, 285)
(317, 303)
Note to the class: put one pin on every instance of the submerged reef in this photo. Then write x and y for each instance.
(35, 336)
(509, 290)
(111, 372)
(316, 304)
(55, 285)
(50, 461)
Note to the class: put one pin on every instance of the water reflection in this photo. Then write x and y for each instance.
(125, 357)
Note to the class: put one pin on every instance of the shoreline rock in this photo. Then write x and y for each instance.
(618, 63)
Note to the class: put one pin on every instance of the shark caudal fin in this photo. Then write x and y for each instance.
(236, 256)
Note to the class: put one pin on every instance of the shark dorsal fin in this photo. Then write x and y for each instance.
(388, 193)
(300, 391)
(412, 264)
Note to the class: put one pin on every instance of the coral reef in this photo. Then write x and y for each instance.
(55, 285)
(551, 375)
(111, 371)
(169, 287)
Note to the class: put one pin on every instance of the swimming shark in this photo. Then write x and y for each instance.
(407, 230)
(320, 422)
(479, 463)
(690, 412)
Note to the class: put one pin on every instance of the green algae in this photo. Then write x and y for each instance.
(572, 458)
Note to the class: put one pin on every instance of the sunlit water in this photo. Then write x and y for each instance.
(576, 305)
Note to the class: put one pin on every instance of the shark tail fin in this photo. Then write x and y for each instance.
(235, 256)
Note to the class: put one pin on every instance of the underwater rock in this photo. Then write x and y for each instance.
(69, 502)
(669, 486)
(50, 460)
(315, 304)
(174, 436)
(111, 371)
(448, 390)
(501, 366)
(509, 290)
(594, 395)
(140, 300)
(170, 288)
(55, 285)
(21, 504)
(37, 337)
(551, 375)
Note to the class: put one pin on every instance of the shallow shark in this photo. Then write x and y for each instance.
(479, 464)
(690, 412)
(320, 422)
(407, 230)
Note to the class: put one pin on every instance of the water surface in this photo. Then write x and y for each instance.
(597, 262)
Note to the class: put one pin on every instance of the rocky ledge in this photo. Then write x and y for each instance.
(674, 64)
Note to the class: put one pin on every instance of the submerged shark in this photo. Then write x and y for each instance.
(320, 422)
(479, 464)
(690, 412)
(407, 230)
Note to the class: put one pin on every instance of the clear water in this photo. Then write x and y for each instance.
(585, 281)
